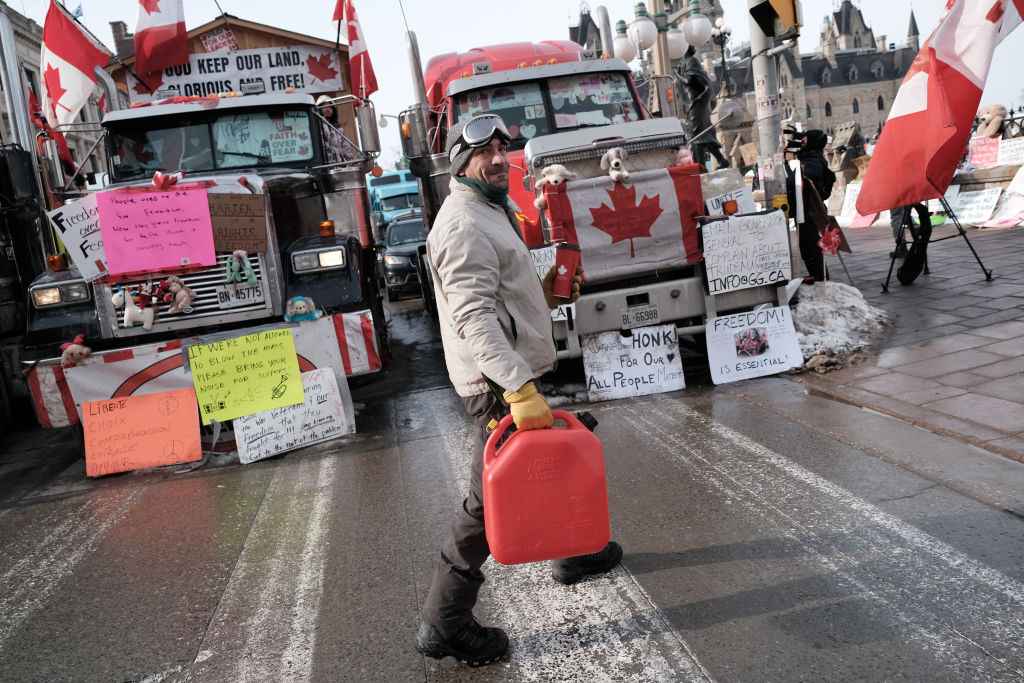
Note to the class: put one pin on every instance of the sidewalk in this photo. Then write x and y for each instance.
(955, 361)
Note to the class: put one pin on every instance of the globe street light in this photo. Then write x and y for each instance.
(697, 28)
(720, 37)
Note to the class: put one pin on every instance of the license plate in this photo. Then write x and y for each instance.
(229, 297)
(639, 316)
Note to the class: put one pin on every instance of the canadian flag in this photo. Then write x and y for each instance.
(620, 227)
(160, 36)
(364, 82)
(931, 118)
(68, 58)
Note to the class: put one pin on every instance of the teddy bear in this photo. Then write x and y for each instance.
(991, 125)
(301, 308)
(555, 174)
(179, 293)
(73, 352)
(612, 161)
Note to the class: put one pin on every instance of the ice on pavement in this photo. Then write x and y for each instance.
(833, 320)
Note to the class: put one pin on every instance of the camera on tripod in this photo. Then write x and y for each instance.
(794, 139)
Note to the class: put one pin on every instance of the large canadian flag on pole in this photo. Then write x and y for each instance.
(931, 118)
(364, 82)
(68, 58)
(160, 36)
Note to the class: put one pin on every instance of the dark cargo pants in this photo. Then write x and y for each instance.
(457, 576)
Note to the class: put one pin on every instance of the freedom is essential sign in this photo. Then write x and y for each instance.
(306, 68)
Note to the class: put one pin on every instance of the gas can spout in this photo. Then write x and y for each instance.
(587, 420)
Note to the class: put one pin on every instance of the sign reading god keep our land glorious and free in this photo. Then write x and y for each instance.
(306, 68)
(746, 251)
(752, 344)
(245, 375)
(320, 418)
(155, 230)
(646, 362)
(136, 432)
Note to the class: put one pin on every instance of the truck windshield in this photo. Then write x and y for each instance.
(402, 201)
(234, 139)
(535, 108)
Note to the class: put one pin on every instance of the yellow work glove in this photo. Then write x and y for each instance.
(529, 409)
(548, 285)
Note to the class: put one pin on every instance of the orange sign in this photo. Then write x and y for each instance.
(136, 432)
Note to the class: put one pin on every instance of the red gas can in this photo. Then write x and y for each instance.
(545, 495)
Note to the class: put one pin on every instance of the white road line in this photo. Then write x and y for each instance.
(27, 585)
(605, 629)
(280, 573)
(922, 581)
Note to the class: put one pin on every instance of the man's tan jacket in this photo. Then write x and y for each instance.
(493, 317)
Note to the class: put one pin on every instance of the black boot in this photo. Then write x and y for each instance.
(572, 569)
(473, 644)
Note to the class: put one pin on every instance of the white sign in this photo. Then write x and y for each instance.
(78, 224)
(935, 205)
(320, 418)
(752, 344)
(744, 200)
(976, 207)
(646, 362)
(767, 104)
(1011, 152)
(849, 209)
(543, 259)
(746, 251)
(306, 68)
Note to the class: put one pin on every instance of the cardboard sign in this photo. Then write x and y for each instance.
(239, 221)
(155, 230)
(136, 432)
(645, 362)
(746, 251)
(935, 205)
(220, 38)
(984, 152)
(849, 209)
(320, 418)
(78, 224)
(749, 153)
(306, 68)
(1011, 152)
(245, 375)
(753, 344)
(976, 207)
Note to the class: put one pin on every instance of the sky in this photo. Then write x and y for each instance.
(457, 25)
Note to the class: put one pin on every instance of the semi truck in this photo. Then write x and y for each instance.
(566, 106)
(293, 213)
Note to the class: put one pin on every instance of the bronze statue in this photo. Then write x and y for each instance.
(694, 87)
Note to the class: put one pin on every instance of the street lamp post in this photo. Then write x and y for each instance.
(720, 36)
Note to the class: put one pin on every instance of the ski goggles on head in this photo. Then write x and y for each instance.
(480, 130)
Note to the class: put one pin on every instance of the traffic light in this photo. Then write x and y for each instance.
(779, 19)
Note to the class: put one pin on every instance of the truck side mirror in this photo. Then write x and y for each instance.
(366, 124)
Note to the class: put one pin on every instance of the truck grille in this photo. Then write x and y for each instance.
(644, 155)
(205, 307)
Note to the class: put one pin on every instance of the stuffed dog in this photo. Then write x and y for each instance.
(555, 174)
(612, 161)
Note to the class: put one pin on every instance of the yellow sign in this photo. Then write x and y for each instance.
(246, 375)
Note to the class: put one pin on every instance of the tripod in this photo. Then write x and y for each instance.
(918, 255)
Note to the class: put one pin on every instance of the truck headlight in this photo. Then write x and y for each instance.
(325, 259)
(70, 293)
(393, 260)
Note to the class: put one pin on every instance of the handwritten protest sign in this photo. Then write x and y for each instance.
(744, 201)
(976, 207)
(1011, 152)
(305, 68)
(752, 344)
(320, 418)
(935, 205)
(156, 230)
(245, 375)
(645, 362)
(136, 432)
(78, 224)
(984, 152)
(746, 251)
(239, 221)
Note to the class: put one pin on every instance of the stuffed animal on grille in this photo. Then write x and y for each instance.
(612, 161)
(132, 313)
(239, 268)
(179, 293)
(301, 308)
(74, 352)
(555, 174)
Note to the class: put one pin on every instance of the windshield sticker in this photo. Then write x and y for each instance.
(565, 120)
(557, 102)
(591, 118)
(514, 130)
(534, 112)
(528, 131)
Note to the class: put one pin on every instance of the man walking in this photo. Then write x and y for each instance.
(495, 324)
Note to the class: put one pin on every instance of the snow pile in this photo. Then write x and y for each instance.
(566, 395)
(833, 321)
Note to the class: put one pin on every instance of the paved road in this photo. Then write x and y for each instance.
(770, 535)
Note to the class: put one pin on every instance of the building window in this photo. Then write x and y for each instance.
(856, 106)
(851, 73)
(783, 80)
(808, 112)
(881, 103)
(856, 41)
(828, 109)
(787, 109)
(877, 70)
(826, 76)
